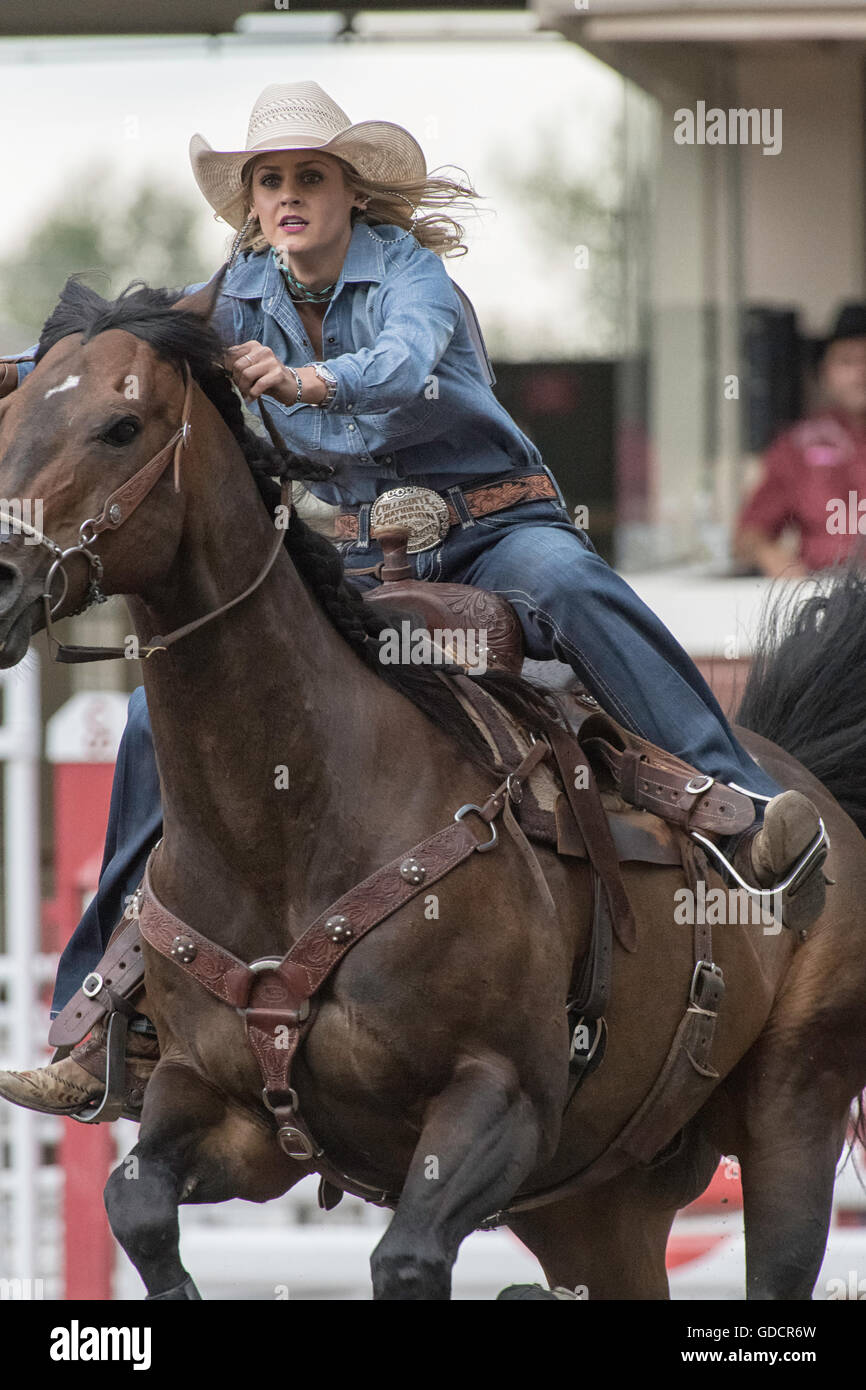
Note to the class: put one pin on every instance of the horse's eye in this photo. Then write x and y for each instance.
(122, 431)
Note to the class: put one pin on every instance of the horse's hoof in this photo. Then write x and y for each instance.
(525, 1291)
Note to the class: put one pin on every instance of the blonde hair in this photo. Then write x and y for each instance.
(390, 205)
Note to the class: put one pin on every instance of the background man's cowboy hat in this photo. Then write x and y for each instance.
(850, 323)
(300, 116)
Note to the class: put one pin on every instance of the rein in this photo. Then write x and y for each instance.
(118, 507)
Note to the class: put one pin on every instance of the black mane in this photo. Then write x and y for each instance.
(178, 336)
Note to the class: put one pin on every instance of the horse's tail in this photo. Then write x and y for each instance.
(807, 686)
(807, 692)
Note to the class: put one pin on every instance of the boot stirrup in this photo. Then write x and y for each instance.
(113, 1101)
(813, 855)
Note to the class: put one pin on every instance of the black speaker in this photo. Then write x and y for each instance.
(567, 409)
(771, 389)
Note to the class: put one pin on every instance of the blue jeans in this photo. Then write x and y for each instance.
(134, 826)
(571, 606)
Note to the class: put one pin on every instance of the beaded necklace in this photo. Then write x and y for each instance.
(300, 291)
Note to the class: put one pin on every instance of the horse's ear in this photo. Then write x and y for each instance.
(204, 301)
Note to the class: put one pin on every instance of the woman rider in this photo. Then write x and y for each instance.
(338, 308)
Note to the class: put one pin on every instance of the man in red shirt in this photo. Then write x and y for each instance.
(815, 472)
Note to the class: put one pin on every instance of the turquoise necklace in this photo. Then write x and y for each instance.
(299, 291)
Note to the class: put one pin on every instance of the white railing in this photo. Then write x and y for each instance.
(22, 969)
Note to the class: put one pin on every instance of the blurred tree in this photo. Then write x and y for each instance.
(583, 231)
(593, 226)
(105, 237)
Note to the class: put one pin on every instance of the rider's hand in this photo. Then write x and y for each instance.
(257, 371)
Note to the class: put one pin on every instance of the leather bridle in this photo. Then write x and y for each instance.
(118, 507)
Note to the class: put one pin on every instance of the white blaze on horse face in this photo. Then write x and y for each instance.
(68, 385)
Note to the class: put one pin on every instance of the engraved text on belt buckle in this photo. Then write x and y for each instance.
(422, 511)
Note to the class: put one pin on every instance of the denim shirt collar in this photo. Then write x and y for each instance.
(255, 276)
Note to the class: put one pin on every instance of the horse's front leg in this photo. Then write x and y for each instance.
(481, 1138)
(193, 1147)
(143, 1217)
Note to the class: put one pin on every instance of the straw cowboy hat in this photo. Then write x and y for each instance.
(301, 116)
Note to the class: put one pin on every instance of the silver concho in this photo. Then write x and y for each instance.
(421, 510)
(412, 871)
(184, 949)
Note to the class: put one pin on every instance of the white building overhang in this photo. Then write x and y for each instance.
(649, 41)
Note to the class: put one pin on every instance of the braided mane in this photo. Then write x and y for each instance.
(178, 336)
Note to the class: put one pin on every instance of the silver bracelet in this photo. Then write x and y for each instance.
(300, 385)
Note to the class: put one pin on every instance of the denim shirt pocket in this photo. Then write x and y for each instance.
(300, 424)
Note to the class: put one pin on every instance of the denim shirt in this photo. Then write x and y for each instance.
(412, 405)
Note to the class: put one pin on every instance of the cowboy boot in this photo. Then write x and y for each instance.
(71, 1084)
(769, 853)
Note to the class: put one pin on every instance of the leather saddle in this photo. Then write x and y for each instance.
(645, 789)
(448, 608)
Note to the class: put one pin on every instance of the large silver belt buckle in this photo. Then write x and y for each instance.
(423, 512)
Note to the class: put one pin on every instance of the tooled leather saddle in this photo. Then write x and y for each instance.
(634, 773)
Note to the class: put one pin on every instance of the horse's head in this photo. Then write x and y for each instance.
(106, 399)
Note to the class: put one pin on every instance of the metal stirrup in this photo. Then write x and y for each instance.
(814, 854)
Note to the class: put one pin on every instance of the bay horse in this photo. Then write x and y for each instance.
(293, 764)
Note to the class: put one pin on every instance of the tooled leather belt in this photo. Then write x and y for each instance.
(389, 509)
